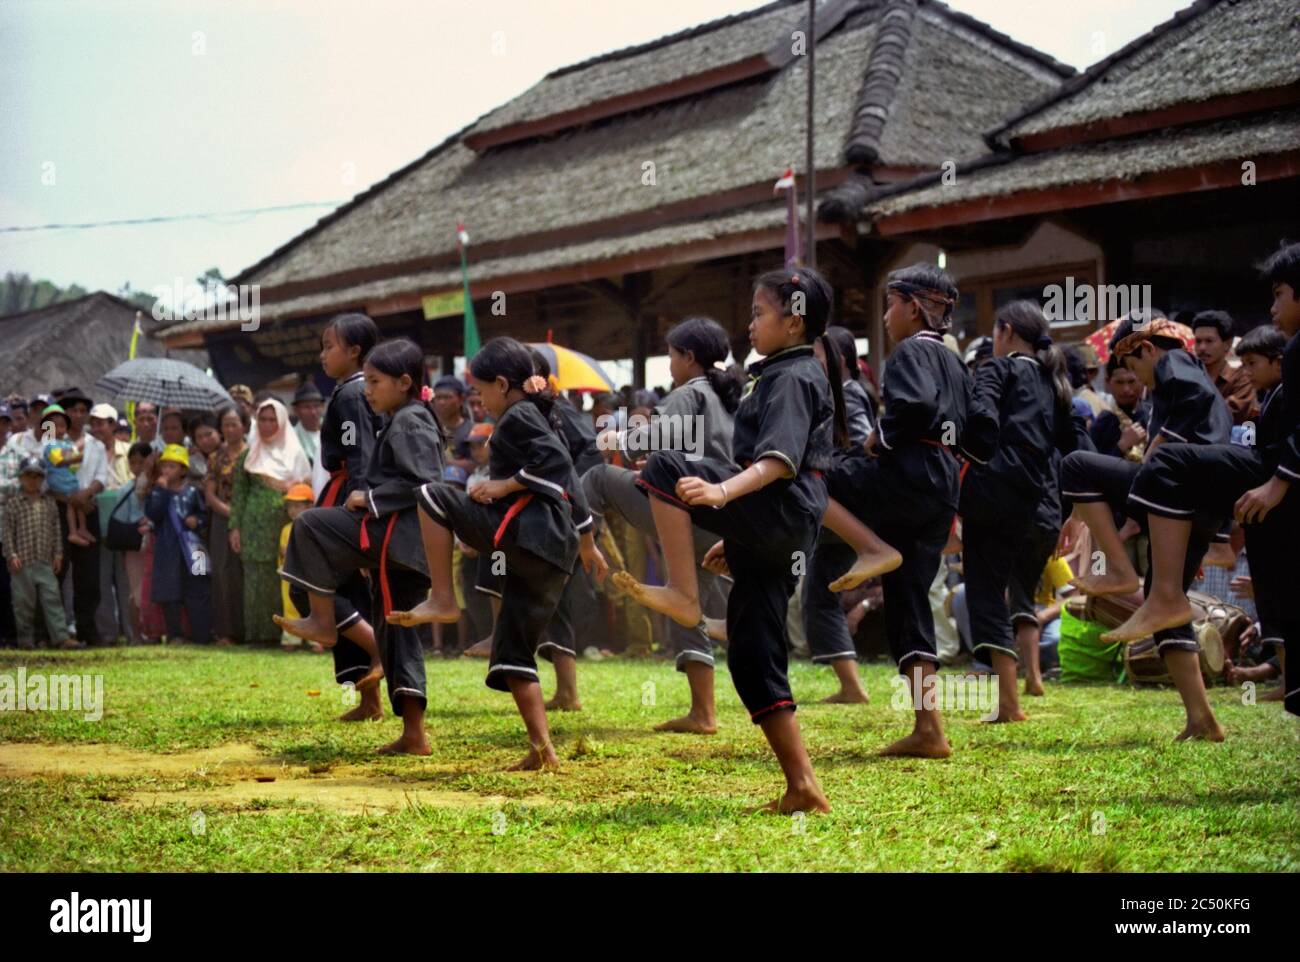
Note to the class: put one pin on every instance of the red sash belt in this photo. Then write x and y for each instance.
(520, 503)
(383, 556)
(330, 495)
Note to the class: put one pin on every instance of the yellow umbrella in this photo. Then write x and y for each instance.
(573, 370)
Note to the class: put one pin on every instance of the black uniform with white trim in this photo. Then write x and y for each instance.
(537, 530)
(1185, 407)
(1187, 481)
(786, 414)
(347, 436)
(329, 545)
(908, 495)
(1000, 500)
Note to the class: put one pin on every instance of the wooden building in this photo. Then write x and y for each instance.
(620, 194)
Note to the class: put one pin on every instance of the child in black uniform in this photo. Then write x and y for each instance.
(376, 530)
(1257, 482)
(347, 436)
(1026, 383)
(1185, 407)
(907, 492)
(533, 510)
(768, 515)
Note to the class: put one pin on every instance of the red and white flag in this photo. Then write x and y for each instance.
(786, 181)
(462, 236)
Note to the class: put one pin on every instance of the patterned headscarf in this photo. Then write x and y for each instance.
(1159, 327)
(928, 301)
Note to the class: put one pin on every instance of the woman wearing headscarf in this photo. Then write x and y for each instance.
(264, 472)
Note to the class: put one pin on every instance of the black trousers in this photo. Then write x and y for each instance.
(530, 586)
(324, 554)
(81, 562)
(1185, 481)
(768, 539)
(572, 618)
(351, 604)
(196, 602)
(1088, 477)
(611, 489)
(872, 489)
(1027, 572)
(825, 624)
(8, 628)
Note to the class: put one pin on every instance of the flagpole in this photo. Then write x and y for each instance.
(810, 248)
(130, 356)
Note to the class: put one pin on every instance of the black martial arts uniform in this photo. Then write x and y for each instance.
(908, 495)
(329, 545)
(537, 529)
(574, 615)
(1185, 407)
(1001, 500)
(1184, 481)
(612, 488)
(786, 415)
(347, 436)
(825, 625)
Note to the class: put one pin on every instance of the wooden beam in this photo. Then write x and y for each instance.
(1039, 201)
(1215, 108)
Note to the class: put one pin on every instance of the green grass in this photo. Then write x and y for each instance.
(1024, 797)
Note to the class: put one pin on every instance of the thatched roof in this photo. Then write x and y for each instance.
(1255, 138)
(74, 343)
(1214, 48)
(577, 197)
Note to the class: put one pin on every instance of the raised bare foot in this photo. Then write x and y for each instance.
(363, 712)
(714, 628)
(322, 632)
(371, 678)
(690, 725)
(1153, 616)
(846, 696)
(563, 703)
(1111, 583)
(430, 610)
(869, 564)
(537, 760)
(1208, 730)
(919, 745)
(480, 649)
(1034, 687)
(661, 598)
(809, 799)
(406, 746)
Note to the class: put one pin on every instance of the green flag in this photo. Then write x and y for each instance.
(471, 324)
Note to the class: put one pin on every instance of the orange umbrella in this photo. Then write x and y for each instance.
(1100, 338)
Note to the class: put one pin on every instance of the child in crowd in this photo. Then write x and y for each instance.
(296, 500)
(61, 455)
(34, 550)
(181, 582)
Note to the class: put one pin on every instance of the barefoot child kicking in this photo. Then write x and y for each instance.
(703, 401)
(767, 515)
(1186, 408)
(907, 491)
(376, 530)
(347, 436)
(1257, 482)
(1025, 382)
(532, 511)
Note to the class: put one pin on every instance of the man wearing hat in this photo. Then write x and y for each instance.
(1092, 367)
(103, 428)
(308, 406)
(93, 476)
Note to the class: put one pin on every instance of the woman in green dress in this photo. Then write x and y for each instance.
(227, 572)
(274, 461)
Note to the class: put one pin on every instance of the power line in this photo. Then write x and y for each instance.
(171, 218)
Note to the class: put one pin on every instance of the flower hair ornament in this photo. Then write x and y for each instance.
(426, 393)
(534, 385)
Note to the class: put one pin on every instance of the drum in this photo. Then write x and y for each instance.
(1230, 620)
(1144, 666)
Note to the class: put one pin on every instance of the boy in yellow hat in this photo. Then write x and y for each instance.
(296, 500)
(181, 581)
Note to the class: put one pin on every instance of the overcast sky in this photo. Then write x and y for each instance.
(114, 109)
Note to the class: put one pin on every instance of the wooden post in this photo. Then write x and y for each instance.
(810, 246)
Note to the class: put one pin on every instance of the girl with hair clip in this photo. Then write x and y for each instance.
(907, 490)
(376, 530)
(767, 515)
(697, 414)
(1026, 383)
(347, 436)
(532, 511)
